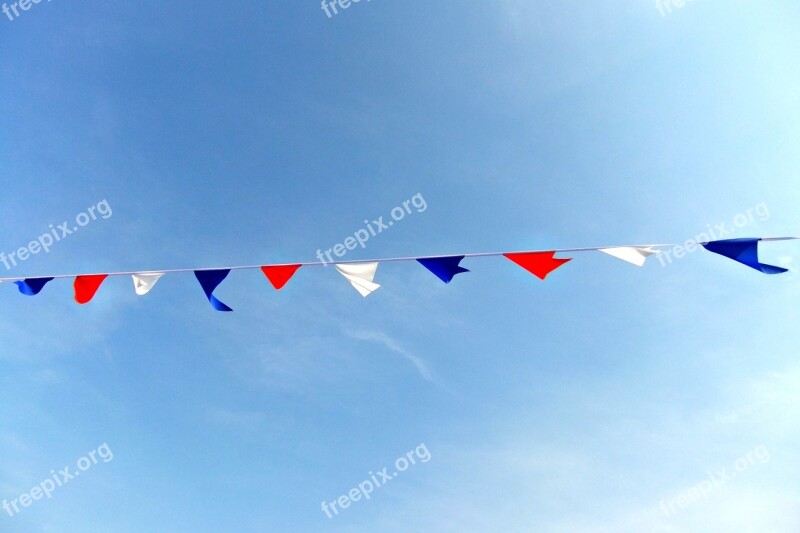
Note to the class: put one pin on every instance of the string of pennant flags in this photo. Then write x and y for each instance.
(361, 273)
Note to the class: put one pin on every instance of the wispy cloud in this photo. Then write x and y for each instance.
(240, 419)
(376, 336)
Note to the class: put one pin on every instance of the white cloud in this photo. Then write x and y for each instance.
(375, 336)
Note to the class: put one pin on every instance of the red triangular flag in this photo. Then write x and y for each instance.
(278, 275)
(540, 264)
(86, 287)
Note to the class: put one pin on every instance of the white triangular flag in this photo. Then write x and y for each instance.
(142, 283)
(636, 256)
(360, 276)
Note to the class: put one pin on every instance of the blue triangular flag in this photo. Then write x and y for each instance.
(209, 280)
(444, 267)
(744, 251)
(32, 286)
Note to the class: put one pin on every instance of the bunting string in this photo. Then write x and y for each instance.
(360, 273)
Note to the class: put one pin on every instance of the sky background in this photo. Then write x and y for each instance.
(252, 132)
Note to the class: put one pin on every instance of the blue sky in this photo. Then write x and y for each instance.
(257, 132)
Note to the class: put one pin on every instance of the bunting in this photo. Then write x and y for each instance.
(210, 280)
(86, 287)
(631, 254)
(32, 286)
(444, 267)
(540, 264)
(143, 283)
(744, 251)
(279, 275)
(361, 274)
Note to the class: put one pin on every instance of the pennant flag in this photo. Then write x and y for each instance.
(635, 256)
(86, 287)
(744, 251)
(360, 276)
(540, 264)
(210, 280)
(445, 268)
(142, 283)
(32, 286)
(279, 275)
